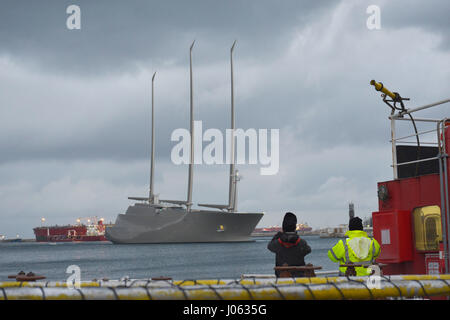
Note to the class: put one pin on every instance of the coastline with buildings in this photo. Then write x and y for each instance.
(326, 232)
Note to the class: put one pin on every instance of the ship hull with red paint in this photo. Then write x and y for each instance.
(69, 233)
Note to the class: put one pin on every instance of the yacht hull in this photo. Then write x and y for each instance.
(143, 223)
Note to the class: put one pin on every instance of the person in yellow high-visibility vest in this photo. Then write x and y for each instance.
(357, 248)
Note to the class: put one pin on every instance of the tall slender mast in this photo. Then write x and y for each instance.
(191, 162)
(151, 194)
(231, 193)
(234, 175)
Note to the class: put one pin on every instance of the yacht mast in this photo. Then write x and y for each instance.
(231, 187)
(191, 162)
(151, 195)
(234, 176)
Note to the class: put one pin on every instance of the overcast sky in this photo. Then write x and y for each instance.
(75, 104)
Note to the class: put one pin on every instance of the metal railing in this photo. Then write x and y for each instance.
(394, 139)
(443, 180)
(336, 288)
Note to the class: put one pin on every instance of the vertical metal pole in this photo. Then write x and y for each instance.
(394, 149)
(447, 217)
(231, 187)
(191, 162)
(441, 182)
(152, 165)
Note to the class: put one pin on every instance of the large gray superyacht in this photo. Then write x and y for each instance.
(153, 220)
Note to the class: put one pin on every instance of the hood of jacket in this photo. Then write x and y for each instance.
(289, 239)
(359, 242)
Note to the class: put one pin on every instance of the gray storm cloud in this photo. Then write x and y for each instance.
(119, 36)
(75, 104)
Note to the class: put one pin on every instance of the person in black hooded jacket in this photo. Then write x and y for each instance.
(289, 248)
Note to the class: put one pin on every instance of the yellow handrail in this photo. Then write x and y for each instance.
(215, 289)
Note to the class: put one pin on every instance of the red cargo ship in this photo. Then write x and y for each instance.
(93, 231)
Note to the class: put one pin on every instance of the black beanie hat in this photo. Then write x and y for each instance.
(355, 224)
(289, 222)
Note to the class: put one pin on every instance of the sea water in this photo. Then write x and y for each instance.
(98, 260)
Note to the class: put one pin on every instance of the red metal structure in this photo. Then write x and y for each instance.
(412, 221)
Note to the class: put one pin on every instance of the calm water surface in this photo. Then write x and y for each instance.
(178, 261)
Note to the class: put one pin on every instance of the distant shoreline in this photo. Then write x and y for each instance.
(272, 233)
(17, 240)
